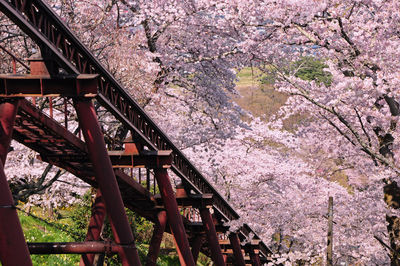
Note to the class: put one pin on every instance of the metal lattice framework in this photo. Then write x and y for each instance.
(44, 27)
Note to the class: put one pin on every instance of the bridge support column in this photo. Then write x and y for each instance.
(225, 258)
(174, 218)
(8, 113)
(106, 180)
(237, 250)
(215, 248)
(196, 246)
(158, 232)
(13, 247)
(95, 226)
(255, 258)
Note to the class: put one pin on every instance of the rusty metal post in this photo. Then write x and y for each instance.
(196, 246)
(215, 248)
(91, 247)
(255, 258)
(106, 180)
(174, 218)
(8, 113)
(14, 66)
(13, 248)
(178, 250)
(95, 226)
(51, 106)
(237, 250)
(158, 231)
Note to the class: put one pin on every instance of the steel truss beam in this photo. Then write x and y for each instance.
(84, 85)
(146, 159)
(119, 159)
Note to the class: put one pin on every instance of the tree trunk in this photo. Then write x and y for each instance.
(329, 250)
(392, 199)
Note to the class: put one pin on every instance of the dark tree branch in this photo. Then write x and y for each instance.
(362, 126)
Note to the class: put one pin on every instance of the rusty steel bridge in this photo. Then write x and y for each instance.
(133, 175)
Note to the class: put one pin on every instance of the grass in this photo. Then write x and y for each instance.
(37, 227)
(249, 76)
(260, 99)
(36, 230)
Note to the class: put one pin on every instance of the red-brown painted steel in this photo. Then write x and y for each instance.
(91, 247)
(237, 250)
(255, 258)
(106, 180)
(95, 226)
(174, 218)
(196, 246)
(147, 159)
(225, 258)
(13, 248)
(84, 85)
(159, 229)
(213, 244)
(178, 250)
(8, 112)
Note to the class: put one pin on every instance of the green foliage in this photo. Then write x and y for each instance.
(142, 228)
(79, 215)
(250, 76)
(204, 260)
(310, 68)
(167, 260)
(307, 68)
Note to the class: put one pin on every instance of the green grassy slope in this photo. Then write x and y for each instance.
(37, 230)
(260, 99)
(63, 229)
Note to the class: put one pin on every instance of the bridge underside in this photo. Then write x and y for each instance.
(58, 146)
(135, 177)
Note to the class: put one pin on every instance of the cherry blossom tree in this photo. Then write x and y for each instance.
(354, 118)
(179, 59)
(180, 51)
(283, 195)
